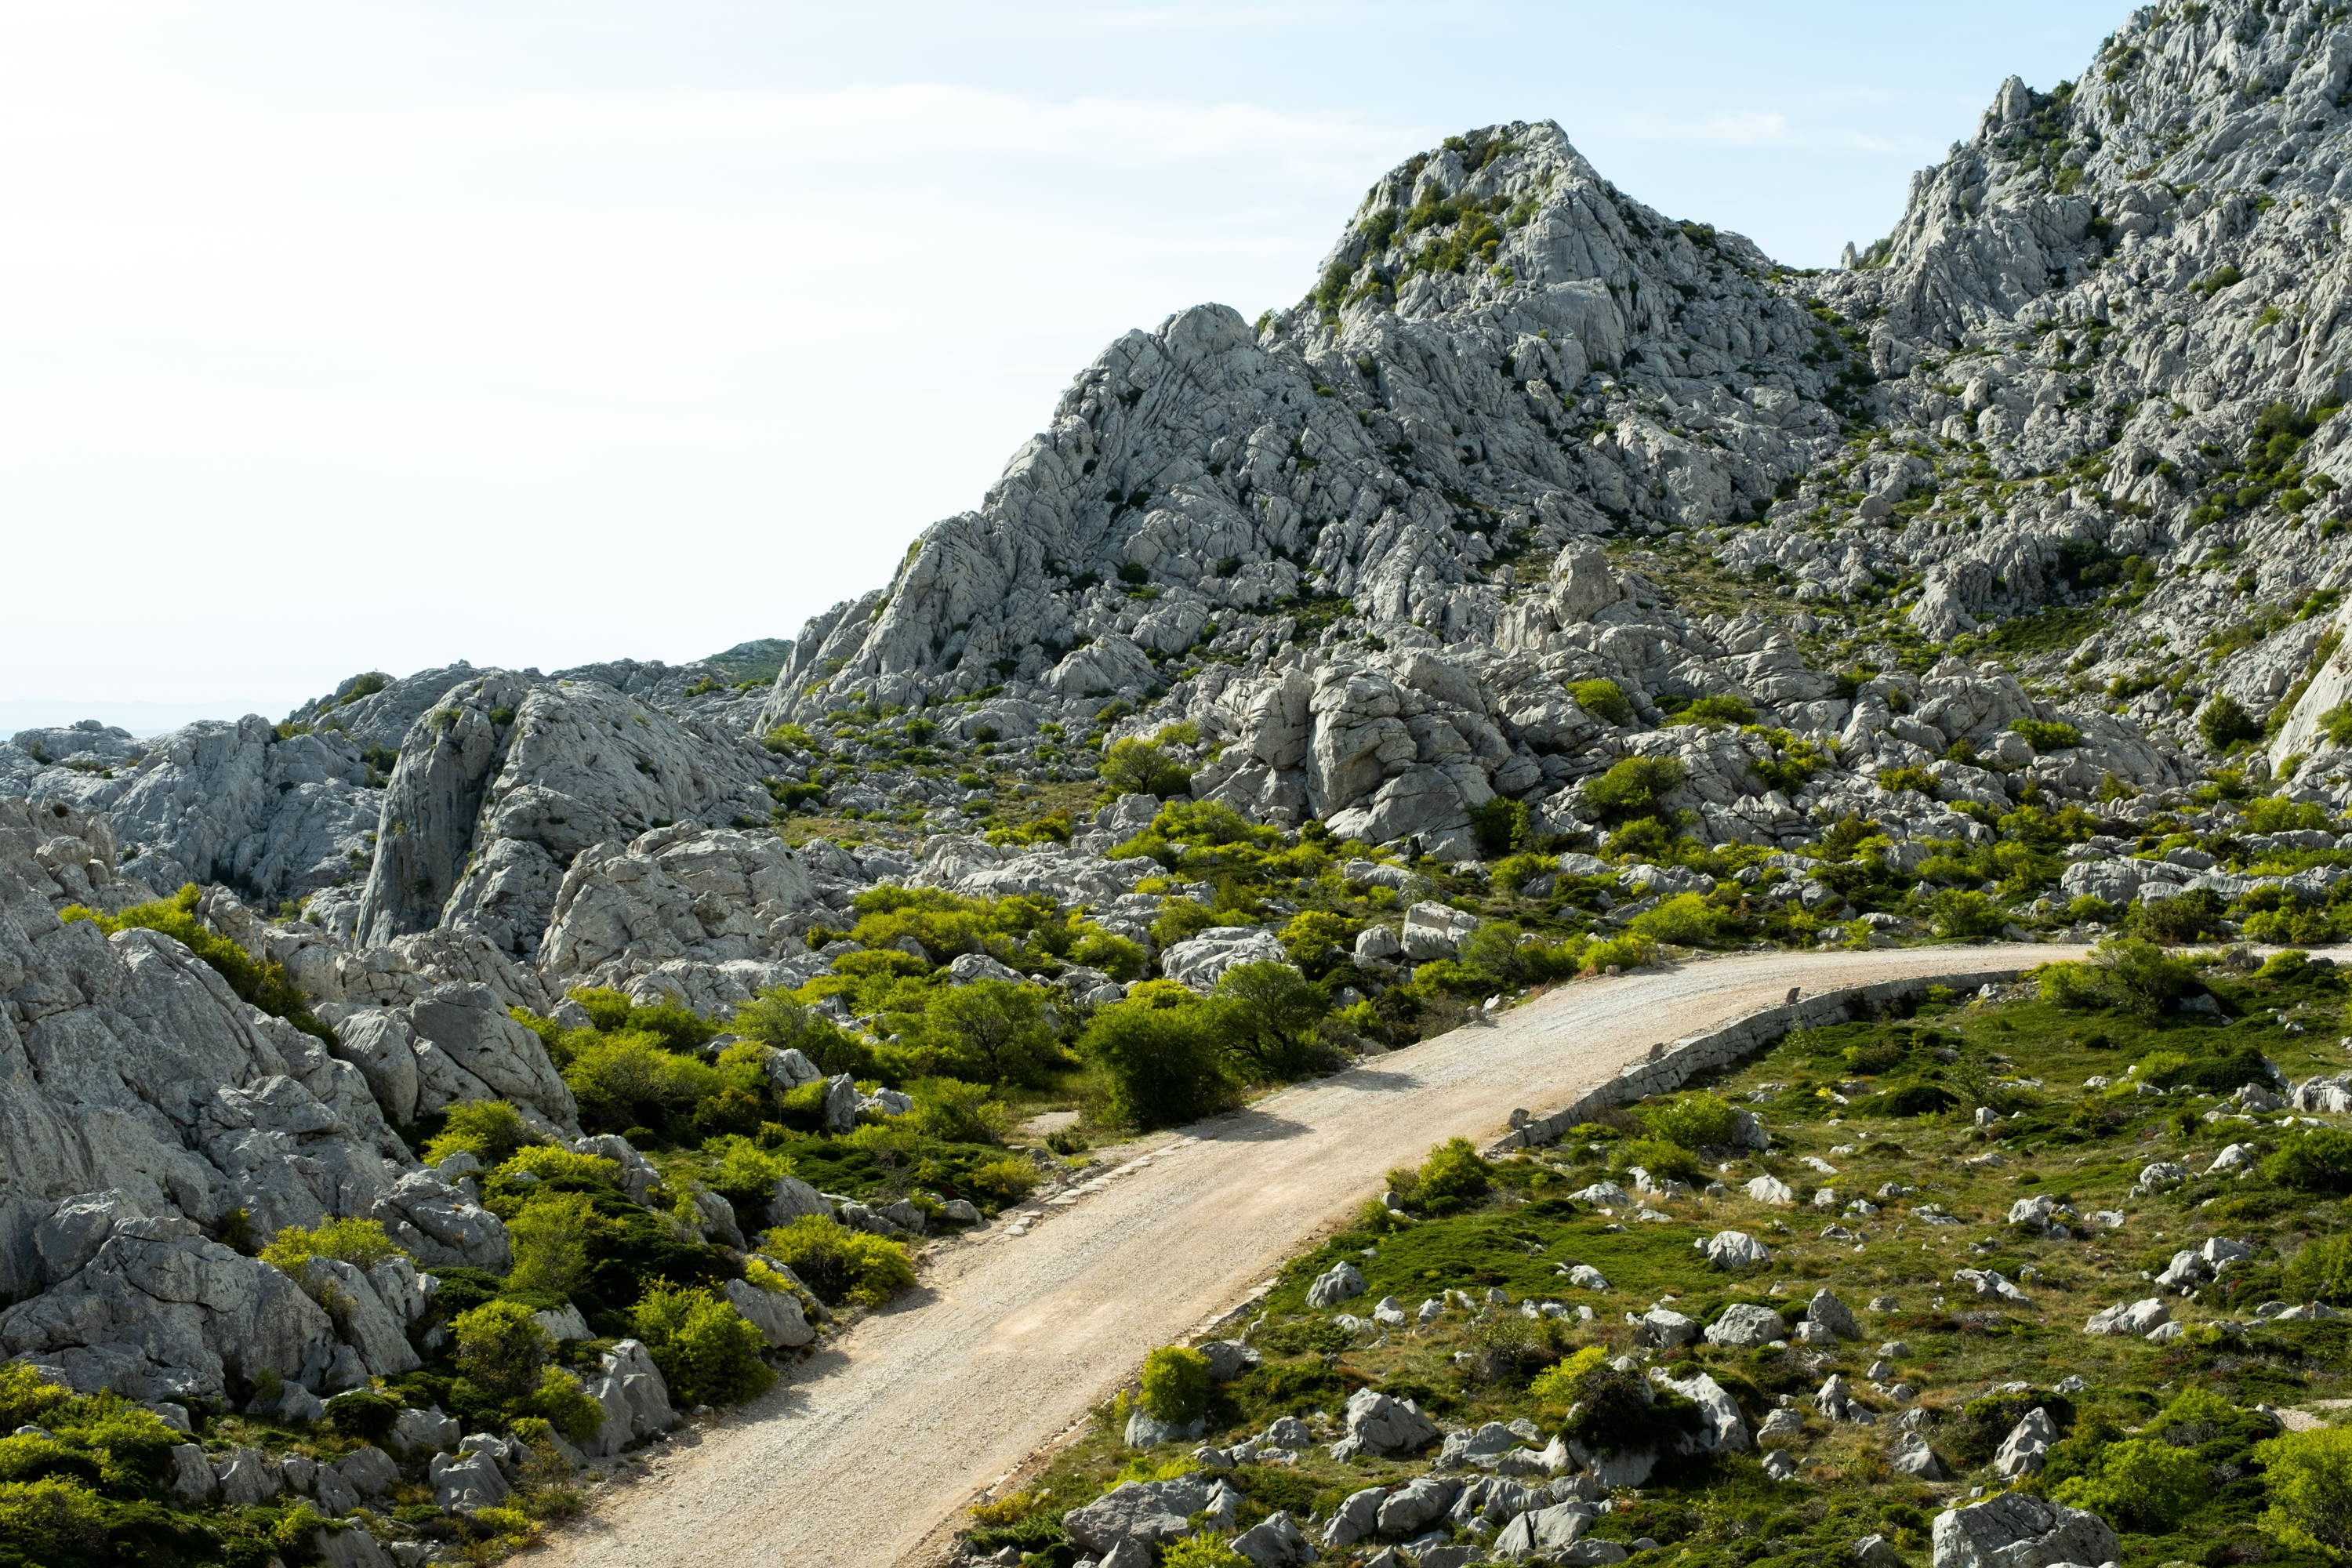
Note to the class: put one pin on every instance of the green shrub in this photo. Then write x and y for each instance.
(1895, 781)
(1202, 1551)
(628, 1080)
(1175, 1384)
(2225, 724)
(1603, 699)
(2087, 907)
(1686, 920)
(1139, 767)
(1694, 1120)
(1608, 1410)
(550, 1165)
(1501, 826)
(52, 1521)
(1967, 914)
(706, 1350)
(491, 1131)
(955, 1111)
(552, 1235)
(1269, 1012)
(1454, 1174)
(1659, 1157)
(1117, 956)
(2337, 724)
(265, 985)
(2139, 1485)
(2321, 1270)
(995, 1031)
(1163, 1063)
(2307, 1479)
(2319, 1160)
(363, 1413)
(842, 1267)
(2182, 918)
(1634, 787)
(26, 1397)
(359, 1242)
(502, 1349)
(1007, 1178)
(564, 1405)
(1716, 708)
(2047, 735)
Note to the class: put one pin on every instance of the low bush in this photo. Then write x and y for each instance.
(502, 1349)
(1659, 1158)
(359, 1242)
(706, 1350)
(2320, 1161)
(1634, 787)
(1175, 1384)
(2139, 1484)
(363, 1413)
(1694, 1120)
(2321, 1270)
(843, 1266)
(1161, 1058)
(2047, 735)
(265, 985)
(1607, 1410)
(1604, 699)
(491, 1131)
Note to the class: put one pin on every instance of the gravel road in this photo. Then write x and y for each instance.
(865, 1455)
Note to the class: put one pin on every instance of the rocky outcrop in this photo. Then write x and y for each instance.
(505, 782)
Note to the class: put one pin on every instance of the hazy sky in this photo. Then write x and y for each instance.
(337, 336)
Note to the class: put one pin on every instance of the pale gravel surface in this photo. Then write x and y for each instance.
(866, 1458)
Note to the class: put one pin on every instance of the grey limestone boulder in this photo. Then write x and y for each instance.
(2129, 1316)
(2021, 1453)
(1384, 1425)
(776, 1314)
(1149, 1512)
(1743, 1325)
(1733, 1249)
(634, 1395)
(1199, 962)
(466, 1481)
(1343, 1281)
(1276, 1542)
(2018, 1530)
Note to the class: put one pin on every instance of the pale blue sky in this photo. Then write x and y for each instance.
(337, 335)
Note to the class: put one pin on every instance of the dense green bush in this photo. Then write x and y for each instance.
(2048, 735)
(502, 1349)
(1268, 1012)
(1659, 1157)
(1160, 1057)
(1967, 914)
(2307, 1477)
(359, 1242)
(1694, 1120)
(2225, 724)
(2321, 1270)
(491, 1131)
(1716, 708)
(2139, 1484)
(550, 1237)
(1604, 699)
(1175, 1384)
(2319, 1160)
(1609, 1411)
(994, 1031)
(707, 1352)
(2127, 973)
(843, 1266)
(2184, 917)
(1139, 767)
(1634, 787)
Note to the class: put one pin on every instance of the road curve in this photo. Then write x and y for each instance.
(862, 1459)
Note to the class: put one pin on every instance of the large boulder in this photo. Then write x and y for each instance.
(1379, 1425)
(1150, 1512)
(2018, 1530)
(636, 1398)
(1199, 962)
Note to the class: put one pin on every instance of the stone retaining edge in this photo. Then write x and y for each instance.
(1671, 1067)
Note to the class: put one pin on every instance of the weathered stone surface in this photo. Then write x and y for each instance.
(2018, 1530)
(1198, 961)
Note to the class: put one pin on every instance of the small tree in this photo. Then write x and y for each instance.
(1175, 1384)
(997, 1028)
(501, 1348)
(1635, 786)
(1454, 1174)
(1964, 913)
(1139, 767)
(1162, 1061)
(1267, 1009)
(2308, 1479)
(1694, 1120)
(2139, 1484)
(2322, 1270)
(2226, 723)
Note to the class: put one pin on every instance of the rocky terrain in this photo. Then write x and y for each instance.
(1556, 586)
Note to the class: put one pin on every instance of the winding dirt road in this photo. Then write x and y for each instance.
(865, 1456)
